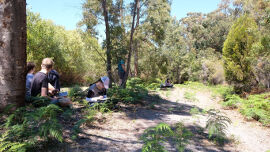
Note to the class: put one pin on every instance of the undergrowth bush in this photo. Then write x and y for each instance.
(155, 137)
(76, 93)
(257, 107)
(232, 101)
(254, 107)
(28, 127)
(133, 93)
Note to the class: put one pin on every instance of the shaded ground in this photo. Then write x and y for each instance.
(120, 131)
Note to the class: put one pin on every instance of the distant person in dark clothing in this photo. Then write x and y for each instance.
(53, 78)
(29, 77)
(167, 84)
(40, 84)
(121, 71)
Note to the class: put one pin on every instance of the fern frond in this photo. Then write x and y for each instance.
(217, 124)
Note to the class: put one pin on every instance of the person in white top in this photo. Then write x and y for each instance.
(98, 90)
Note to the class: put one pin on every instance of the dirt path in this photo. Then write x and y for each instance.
(120, 131)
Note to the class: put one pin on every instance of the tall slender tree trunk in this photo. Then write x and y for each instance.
(122, 13)
(130, 44)
(12, 52)
(108, 41)
(136, 68)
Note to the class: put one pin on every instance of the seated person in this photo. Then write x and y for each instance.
(98, 90)
(40, 84)
(29, 77)
(53, 78)
(167, 84)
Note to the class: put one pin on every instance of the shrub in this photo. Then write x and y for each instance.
(237, 54)
(127, 95)
(76, 93)
(213, 72)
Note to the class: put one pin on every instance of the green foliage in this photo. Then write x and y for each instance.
(72, 51)
(232, 101)
(8, 109)
(103, 107)
(254, 107)
(9, 146)
(213, 71)
(28, 126)
(261, 60)
(182, 135)
(76, 93)
(221, 90)
(76, 128)
(133, 93)
(39, 101)
(217, 125)
(194, 111)
(237, 53)
(257, 107)
(190, 96)
(155, 137)
(128, 95)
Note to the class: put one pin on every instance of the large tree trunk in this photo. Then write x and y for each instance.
(130, 44)
(12, 52)
(108, 41)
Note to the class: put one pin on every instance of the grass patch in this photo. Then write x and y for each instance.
(190, 96)
(194, 111)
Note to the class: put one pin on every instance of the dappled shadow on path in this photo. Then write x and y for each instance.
(200, 141)
(94, 143)
(156, 108)
(137, 118)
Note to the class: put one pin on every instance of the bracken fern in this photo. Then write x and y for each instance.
(217, 125)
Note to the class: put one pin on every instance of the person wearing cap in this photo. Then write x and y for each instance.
(98, 90)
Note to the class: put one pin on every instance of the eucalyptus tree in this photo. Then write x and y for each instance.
(105, 12)
(12, 52)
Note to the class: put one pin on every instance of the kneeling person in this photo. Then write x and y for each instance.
(40, 84)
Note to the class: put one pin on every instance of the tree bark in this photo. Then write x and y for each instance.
(12, 52)
(136, 68)
(108, 41)
(130, 44)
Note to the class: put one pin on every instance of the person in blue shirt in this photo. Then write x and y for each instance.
(29, 77)
(121, 71)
